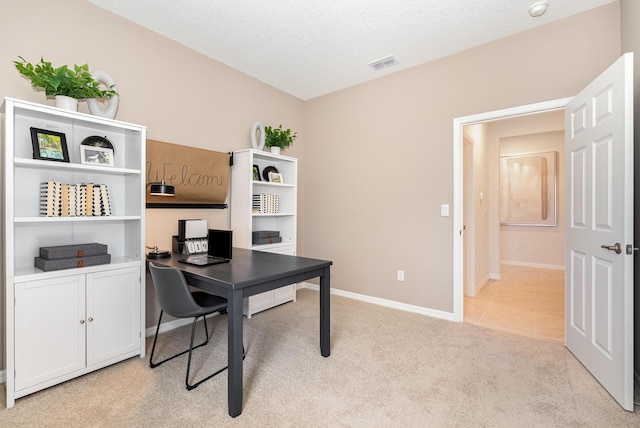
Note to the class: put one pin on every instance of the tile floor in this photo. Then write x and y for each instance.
(526, 301)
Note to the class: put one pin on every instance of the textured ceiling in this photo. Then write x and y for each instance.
(309, 48)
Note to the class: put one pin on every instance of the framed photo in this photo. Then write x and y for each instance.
(96, 156)
(528, 185)
(275, 177)
(256, 173)
(49, 145)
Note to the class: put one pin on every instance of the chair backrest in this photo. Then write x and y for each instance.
(172, 292)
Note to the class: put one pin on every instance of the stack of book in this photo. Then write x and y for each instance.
(72, 256)
(74, 200)
(266, 203)
(50, 199)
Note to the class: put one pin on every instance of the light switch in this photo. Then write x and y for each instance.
(444, 210)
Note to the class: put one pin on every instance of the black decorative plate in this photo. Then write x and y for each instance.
(98, 141)
(267, 170)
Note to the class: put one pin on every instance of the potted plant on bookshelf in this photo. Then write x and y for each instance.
(278, 138)
(65, 84)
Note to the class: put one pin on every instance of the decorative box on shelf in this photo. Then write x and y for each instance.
(72, 256)
(72, 251)
(262, 237)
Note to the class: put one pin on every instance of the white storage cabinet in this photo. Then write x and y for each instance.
(65, 323)
(244, 221)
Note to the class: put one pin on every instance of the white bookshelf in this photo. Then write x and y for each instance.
(244, 221)
(105, 305)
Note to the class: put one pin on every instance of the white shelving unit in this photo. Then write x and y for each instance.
(244, 221)
(65, 323)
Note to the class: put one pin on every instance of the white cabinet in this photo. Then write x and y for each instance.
(244, 221)
(50, 316)
(74, 324)
(64, 323)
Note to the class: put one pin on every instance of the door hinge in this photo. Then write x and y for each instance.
(631, 249)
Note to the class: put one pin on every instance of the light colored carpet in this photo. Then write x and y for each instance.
(387, 368)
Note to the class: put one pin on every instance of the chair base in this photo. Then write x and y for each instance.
(188, 385)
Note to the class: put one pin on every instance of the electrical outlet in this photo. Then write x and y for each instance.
(517, 247)
(400, 275)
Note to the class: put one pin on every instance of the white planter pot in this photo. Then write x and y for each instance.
(275, 150)
(66, 103)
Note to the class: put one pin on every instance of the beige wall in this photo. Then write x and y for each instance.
(375, 160)
(378, 156)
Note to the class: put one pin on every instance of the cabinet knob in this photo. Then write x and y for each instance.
(90, 319)
(81, 321)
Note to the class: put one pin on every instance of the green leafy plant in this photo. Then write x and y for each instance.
(278, 137)
(75, 83)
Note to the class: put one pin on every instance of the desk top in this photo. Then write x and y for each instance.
(248, 268)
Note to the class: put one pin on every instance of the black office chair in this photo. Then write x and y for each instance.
(175, 298)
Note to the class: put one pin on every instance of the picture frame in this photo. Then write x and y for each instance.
(528, 189)
(90, 155)
(256, 173)
(275, 177)
(49, 145)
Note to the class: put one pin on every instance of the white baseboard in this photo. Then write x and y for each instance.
(495, 276)
(534, 265)
(384, 302)
(171, 325)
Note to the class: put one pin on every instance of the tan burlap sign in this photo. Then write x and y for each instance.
(199, 176)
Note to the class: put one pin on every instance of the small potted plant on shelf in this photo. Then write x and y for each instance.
(278, 138)
(75, 84)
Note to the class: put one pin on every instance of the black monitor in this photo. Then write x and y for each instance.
(220, 242)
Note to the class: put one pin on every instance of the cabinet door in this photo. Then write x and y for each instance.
(49, 329)
(113, 314)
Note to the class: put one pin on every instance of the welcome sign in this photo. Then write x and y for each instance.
(200, 177)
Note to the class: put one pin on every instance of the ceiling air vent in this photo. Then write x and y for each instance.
(385, 62)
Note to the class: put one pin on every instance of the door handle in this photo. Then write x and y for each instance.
(617, 247)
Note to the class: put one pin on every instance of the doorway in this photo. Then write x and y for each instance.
(520, 284)
(458, 213)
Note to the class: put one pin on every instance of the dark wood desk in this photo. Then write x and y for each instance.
(249, 273)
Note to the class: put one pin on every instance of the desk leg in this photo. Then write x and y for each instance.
(325, 313)
(235, 353)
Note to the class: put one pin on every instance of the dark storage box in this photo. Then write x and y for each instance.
(72, 251)
(262, 241)
(258, 234)
(76, 262)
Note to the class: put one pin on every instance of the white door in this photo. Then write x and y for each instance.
(599, 281)
(113, 314)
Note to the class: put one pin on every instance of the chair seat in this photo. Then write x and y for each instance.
(209, 302)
